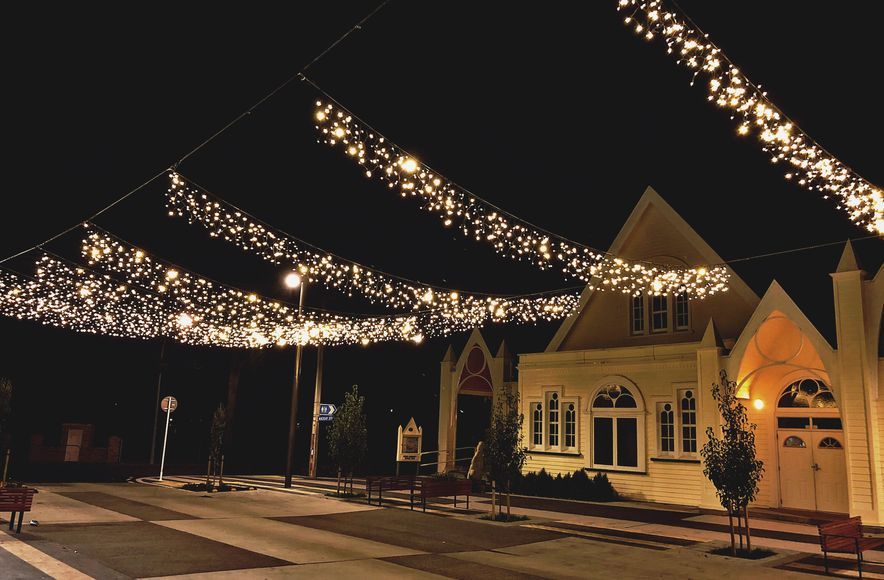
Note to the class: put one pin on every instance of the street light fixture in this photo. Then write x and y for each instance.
(293, 280)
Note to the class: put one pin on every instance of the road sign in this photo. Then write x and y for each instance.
(169, 403)
(327, 409)
(325, 418)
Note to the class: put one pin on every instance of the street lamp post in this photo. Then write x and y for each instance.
(292, 281)
(314, 427)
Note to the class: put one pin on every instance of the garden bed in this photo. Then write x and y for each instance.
(201, 487)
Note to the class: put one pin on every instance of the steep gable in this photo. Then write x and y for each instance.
(655, 232)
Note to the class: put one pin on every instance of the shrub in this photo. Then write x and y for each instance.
(577, 485)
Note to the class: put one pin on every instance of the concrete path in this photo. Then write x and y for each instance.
(140, 531)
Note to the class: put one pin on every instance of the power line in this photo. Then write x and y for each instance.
(247, 112)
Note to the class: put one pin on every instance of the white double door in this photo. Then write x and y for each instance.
(813, 472)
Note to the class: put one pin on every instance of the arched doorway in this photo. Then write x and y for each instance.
(474, 397)
(810, 441)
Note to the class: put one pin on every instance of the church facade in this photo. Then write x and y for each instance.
(624, 387)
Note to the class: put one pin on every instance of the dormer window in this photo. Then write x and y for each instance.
(638, 314)
(659, 313)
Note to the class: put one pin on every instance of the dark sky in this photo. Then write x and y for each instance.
(555, 112)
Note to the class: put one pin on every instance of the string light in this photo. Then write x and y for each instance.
(220, 314)
(806, 162)
(508, 234)
(227, 222)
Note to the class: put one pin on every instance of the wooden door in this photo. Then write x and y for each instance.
(830, 471)
(796, 469)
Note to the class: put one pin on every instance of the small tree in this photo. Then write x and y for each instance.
(216, 442)
(504, 454)
(348, 436)
(729, 461)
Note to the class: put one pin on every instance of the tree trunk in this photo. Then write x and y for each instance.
(740, 525)
(338, 488)
(508, 517)
(209, 474)
(730, 521)
(748, 535)
(493, 489)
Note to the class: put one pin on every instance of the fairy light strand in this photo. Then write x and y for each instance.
(227, 222)
(804, 160)
(509, 235)
(224, 307)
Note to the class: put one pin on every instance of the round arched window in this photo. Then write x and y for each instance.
(830, 443)
(614, 396)
(807, 394)
(794, 442)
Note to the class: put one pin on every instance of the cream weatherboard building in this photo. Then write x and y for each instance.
(624, 387)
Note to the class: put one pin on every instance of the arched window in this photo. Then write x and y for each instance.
(830, 443)
(553, 423)
(794, 442)
(571, 425)
(807, 394)
(666, 418)
(688, 405)
(617, 429)
(537, 424)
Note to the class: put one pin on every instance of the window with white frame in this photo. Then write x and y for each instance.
(617, 429)
(553, 422)
(677, 425)
(659, 313)
(570, 425)
(537, 424)
(682, 312)
(666, 428)
(688, 406)
(637, 306)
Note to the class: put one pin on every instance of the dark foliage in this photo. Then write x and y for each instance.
(577, 485)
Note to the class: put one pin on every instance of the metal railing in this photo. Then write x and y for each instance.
(455, 460)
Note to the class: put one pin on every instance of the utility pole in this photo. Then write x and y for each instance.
(294, 281)
(314, 430)
(156, 407)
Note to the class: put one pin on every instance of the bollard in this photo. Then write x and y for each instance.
(5, 467)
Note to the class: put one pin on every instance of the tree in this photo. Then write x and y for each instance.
(504, 453)
(348, 436)
(216, 441)
(729, 461)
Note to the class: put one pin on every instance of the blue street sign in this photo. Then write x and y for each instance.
(325, 417)
(327, 409)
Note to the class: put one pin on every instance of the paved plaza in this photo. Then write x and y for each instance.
(145, 529)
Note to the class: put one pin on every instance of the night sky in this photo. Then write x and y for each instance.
(554, 111)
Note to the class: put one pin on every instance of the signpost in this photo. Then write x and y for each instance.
(168, 405)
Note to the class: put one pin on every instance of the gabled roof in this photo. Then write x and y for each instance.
(651, 207)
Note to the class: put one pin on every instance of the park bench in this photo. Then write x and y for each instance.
(846, 537)
(430, 487)
(16, 499)
(390, 483)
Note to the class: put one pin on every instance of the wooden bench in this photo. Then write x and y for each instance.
(16, 499)
(846, 537)
(390, 483)
(431, 487)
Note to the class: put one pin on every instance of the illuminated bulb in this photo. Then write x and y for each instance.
(171, 274)
(409, 165)
(292, 280)
(339, 132)
(758, 404)
(184, 320)
(320, 116)
(418, 338)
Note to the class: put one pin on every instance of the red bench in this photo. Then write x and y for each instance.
(846, 537)
(16, 499)
(390, 483)
(431, 487)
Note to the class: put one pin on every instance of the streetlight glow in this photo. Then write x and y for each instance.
(293, 280)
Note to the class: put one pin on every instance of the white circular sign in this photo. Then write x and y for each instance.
(169, 403)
